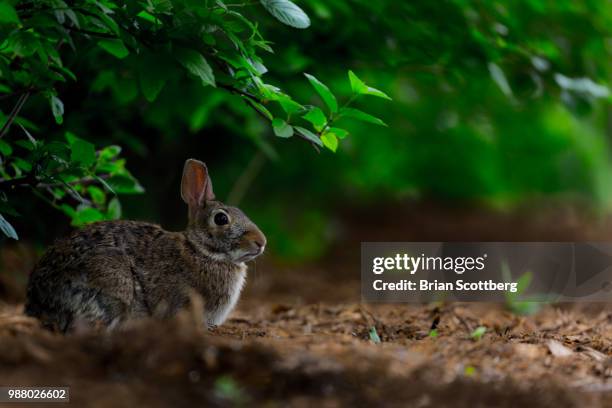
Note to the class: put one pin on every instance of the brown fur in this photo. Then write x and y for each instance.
(112, 271)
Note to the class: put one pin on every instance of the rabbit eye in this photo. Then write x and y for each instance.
(221, 219)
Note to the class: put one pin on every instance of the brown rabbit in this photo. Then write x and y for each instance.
(112, 271)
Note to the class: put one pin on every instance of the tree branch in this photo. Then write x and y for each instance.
(31, 181)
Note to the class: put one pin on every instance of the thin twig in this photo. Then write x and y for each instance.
(92, 33)
(254, 3)
(31, 181)
(25, 181)
(335, 116)
(245, 180)
(86, 181)
(22, 99)
(15, 93)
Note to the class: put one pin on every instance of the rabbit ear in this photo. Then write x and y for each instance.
(196, 187)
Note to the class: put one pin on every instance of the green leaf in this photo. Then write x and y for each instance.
(58, 150)
(86, 215)
(114, 47)
(376, 92)
(287, 13)
(97, 194)
(22, 164)
(66, 209)
(282, 128)
(7, 228)
(330, 137)
(316, 116)
(72, 17)
(196, 64)
(57, 107)
(522, 284)
(82, 152)
(24, 43)
(478, 333)
(525, 307)
(309, 135)
(5, 148)
(357, 85)
(227, 389)
(8, 15)
(124, 184)
(374, 335)
(289, 105)
(26, 144)
(114, 209)
(324, 92)
(108, 21)
(360, 115)
(339, 133)
(522, 307)
(330, 141)
(110, 152)
(68, 73)
(70, 137)
(500, 78)
(145, 15)
(162, 6)
(360, 88)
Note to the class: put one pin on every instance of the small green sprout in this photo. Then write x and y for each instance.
(227, 389)
(514, 301)
(433, 333)
(469, 370)
(478, 333)
(374, 335)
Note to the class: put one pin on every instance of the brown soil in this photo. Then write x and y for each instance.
(300, 337)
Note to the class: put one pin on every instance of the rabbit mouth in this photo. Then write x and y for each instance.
(249, 256)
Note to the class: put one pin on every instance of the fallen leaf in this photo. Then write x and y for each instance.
(558, 350)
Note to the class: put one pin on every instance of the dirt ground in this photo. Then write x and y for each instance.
(300, 337)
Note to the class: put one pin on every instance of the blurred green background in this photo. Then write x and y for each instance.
(493, 102)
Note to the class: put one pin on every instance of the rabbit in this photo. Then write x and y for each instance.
(112, 271)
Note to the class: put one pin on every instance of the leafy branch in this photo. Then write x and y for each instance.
(213, 44)
(325, 134)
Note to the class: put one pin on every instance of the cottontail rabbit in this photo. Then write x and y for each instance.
(112, 271)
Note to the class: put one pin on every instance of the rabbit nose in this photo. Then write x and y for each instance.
(256, 238)
(260, 242)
